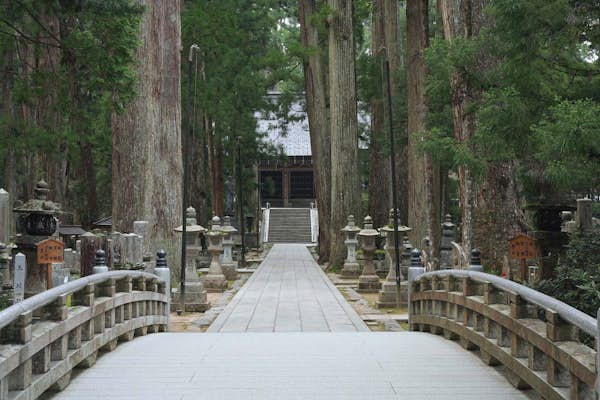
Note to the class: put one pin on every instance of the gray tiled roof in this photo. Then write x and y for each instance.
(294, 136)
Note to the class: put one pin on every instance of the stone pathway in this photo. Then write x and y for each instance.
(300, 365)
(288, 293)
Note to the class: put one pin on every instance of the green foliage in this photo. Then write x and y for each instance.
(577, 280)
(568, 142)
(68, 66)
(535, 77)
(245, 52)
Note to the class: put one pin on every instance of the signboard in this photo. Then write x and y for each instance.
(19, 282)
(50, 251)
(521, 247)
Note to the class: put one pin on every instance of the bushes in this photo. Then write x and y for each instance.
(577, 278)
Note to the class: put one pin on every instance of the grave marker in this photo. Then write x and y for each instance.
(19, 282)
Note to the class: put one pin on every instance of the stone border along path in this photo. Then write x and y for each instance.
(288, 292)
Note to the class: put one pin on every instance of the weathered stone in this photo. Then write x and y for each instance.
(584, 215)
(227, 264)
(215, 279)
(368, 281)
(5, 216)
(351, 268)
(448, 231)
(388, 296)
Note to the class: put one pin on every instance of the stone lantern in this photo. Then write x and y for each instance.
(351, 267)
(228, 265)
(446, 244)
(215, 279)
(195, 298)
(387, 295)
(36, 221)
(368, 281)
(405, 257)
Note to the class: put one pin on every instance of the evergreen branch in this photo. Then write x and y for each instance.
(21, 34)
(36, 19)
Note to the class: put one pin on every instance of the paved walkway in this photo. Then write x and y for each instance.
(288, 293)
(276, 366)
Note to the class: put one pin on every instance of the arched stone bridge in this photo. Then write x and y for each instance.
(288, 334)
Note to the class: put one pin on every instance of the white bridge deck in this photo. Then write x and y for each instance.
(287, 296)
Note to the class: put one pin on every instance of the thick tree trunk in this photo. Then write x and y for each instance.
(318, 121)
(147, 162)
(417, 41)
(345, 185)
(490, 209)
(380, 179)
(394, 37)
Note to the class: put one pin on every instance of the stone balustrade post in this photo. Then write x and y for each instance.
(162, 270)
(415, 270)
(100, 262)
(475, 264)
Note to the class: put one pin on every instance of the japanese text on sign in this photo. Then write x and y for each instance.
(50, 251)
(522, 247)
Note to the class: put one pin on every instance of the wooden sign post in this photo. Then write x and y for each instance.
(522, 247)
(50, 251)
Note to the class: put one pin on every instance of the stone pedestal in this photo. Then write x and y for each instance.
(227, 264)
(215, 280)
(351, 268)
(446, 245)
(389, 291)
(194, 299)
(368, 281)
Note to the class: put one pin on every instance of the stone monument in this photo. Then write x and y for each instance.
(228, 265)
(446, 244)
(389, 291)
(215, 279)
(368, 281)
(36, 222)
(195, 299)
(351, 268)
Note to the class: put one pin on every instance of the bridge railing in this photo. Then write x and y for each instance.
(45, 336)
(543, 343)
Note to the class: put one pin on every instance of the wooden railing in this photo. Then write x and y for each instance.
(537, 338)
(44, 337)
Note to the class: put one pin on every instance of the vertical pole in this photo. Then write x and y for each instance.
(393, 170)
(185, 136)
(258, 211)
(241, 197)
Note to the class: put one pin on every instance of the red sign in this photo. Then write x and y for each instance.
(522, 247)
(50, 251)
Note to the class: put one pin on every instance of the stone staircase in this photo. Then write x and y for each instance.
(289, 225)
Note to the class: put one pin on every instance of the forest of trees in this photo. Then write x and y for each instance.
(495, 105)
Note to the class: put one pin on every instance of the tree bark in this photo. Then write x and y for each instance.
(394, 37)
(318, 120)
(345, 185)
(490, 209)
(147, 162)
(417, 40)
(380, 182)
